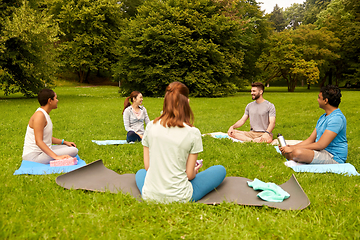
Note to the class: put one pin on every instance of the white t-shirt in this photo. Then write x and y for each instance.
(166, 180)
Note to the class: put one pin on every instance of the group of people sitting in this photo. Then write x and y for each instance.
(171, 143)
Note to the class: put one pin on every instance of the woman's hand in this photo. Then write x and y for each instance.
(69, 144)
(196, 169)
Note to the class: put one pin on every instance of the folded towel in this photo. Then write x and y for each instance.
(34, 168)
(342, 168)
(270, 191)
(110, 142)
(221, 135)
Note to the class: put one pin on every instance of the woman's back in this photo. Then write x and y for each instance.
(169, 148)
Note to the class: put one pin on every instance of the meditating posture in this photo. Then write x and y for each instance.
(134, 116)
(38, 139)
(262, 118)
(327, 144)
(171, 146)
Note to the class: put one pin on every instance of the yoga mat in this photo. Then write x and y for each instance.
(96, 177)
(341, 168)
(110, 142)
(33, 168)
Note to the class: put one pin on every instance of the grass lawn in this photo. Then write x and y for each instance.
(35, 207)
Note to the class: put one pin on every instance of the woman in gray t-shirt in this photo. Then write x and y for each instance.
(134, 116)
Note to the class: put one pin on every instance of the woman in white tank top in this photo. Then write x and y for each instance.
(38, 144)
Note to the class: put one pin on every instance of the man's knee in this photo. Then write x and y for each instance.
(297, 153)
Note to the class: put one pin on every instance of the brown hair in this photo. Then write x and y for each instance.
(176, 109)
(44, 95)
(129, 99)
(259, 85)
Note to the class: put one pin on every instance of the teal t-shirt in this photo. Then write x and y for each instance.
(335, 122)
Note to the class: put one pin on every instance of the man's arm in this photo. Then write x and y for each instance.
(267, 137)
(238, 124)
(310, 143)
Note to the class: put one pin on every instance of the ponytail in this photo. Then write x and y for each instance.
(129, 99)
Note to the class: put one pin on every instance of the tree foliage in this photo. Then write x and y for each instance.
(294, 15)
(298, 55)
(27, 53)
(312, 9)
(90, 29)
(181, 40)
(342, 17)
(277, 19)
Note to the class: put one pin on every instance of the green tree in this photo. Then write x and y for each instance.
(181, 40)
(256, 31)
(312, 9)
(342, 17)
(255, 34)
(320, 45)
(276, 17)
(294, 15)
(298, 55)
(90, 30)
(129, 7)
(27, 53)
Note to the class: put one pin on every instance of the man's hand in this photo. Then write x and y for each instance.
(266, 138)
(231, 131)
(286, 149)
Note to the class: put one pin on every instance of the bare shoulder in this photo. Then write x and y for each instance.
(38, 118)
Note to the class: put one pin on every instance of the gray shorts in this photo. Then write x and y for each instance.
(323, 157)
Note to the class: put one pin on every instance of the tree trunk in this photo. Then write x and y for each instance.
(87, 76)
(323, 80)
(81, 75)
(330, 76)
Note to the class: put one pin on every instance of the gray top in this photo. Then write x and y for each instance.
(259, 115)
(132, 122)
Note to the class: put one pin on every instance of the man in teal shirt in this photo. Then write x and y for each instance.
(327, 144)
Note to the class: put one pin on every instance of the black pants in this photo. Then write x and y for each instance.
(131, 136)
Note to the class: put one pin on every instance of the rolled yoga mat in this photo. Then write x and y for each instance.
(96, 177)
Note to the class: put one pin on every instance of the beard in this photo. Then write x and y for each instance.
(255, 97)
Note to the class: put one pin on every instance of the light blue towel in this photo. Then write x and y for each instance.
(222, 136)
(33, 168)
(110, 142)
(270, 191)
(342, 168)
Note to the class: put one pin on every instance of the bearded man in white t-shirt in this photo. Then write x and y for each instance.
(262, 116)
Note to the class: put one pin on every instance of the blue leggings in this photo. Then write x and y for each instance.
(202, 184)
(131, 136)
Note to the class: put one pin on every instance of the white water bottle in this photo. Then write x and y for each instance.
(281, 140)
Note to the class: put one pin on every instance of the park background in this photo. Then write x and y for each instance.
(83, 49)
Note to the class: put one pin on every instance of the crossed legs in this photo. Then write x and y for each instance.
(248, 136)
